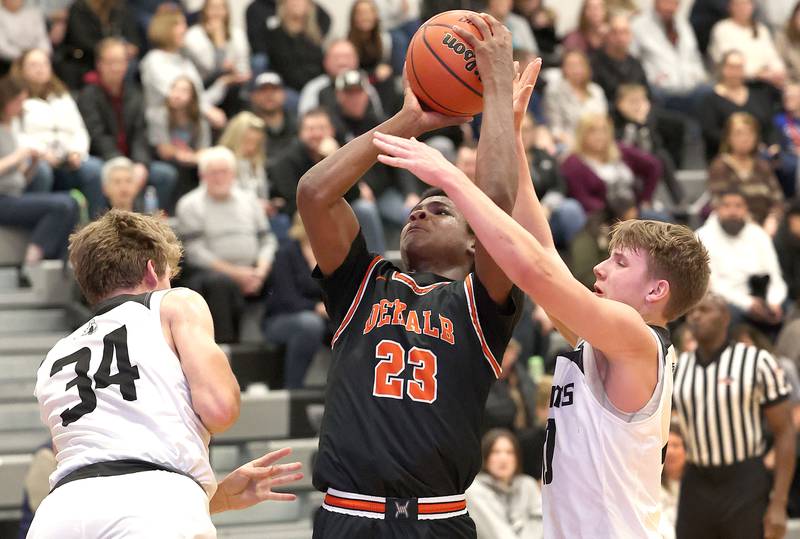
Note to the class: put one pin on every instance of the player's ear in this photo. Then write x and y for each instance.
(151, 275)
(659, 290)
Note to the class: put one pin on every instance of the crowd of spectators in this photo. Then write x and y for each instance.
(210, 112)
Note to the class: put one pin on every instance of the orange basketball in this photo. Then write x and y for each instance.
(441, 68)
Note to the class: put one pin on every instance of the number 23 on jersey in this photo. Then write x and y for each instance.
(394, 359)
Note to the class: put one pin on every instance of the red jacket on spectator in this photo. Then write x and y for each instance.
(590, 190)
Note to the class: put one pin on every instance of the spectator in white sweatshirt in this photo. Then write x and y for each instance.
(670, 56)
(744, 265)
(21, 27)
(52, 124)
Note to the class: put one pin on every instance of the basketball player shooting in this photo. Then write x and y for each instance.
(610, 403)
(416, 350)
(132, 397)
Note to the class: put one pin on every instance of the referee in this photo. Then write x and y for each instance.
(719, 395)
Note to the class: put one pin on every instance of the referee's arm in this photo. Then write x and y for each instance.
(780, 424)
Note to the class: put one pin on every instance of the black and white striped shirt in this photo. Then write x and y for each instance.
(719, 404)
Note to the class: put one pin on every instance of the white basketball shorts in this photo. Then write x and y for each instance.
(151, 504)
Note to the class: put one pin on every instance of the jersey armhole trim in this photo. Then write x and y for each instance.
(476, 325)
(356, 300)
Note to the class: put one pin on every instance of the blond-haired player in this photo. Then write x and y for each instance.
(132, 397)
(610, 404)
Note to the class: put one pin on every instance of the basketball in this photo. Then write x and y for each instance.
(441, 68)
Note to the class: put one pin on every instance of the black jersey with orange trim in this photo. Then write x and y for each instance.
(414, 356)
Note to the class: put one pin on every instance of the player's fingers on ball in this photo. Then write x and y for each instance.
(468, 37)
(480, 23)
(493, 24)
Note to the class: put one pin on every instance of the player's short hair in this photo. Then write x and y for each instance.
(112, 252)
(487, 444)
(674, 253)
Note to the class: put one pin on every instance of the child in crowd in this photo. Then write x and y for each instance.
(178, 131)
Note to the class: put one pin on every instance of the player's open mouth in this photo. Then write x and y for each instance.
(597, 290)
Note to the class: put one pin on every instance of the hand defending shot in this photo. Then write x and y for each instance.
(427, 163)
(523, 89)
(253, 482)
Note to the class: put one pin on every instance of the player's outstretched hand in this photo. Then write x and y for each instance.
(254, 481)
(523, 89)
(427, 163)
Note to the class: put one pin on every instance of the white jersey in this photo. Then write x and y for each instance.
(115, 390)
(601, 471)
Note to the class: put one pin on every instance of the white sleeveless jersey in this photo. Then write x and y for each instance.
(601, 471)
(114, 390)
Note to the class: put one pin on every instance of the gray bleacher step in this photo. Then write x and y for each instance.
(8, 278)
(20, 390)
(13, 469)
(33, 343)
(26, 441)
(33, 321)
(19, 366)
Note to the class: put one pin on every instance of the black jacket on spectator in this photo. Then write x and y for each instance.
(75, 56)
(290, 285)
(285, 173)
(429, 8)
(295, 58)
(500, 407)
(715, 111)
(280, 140)
(704, 15)
(104, 126)
(257, 14)
(546, 173)
(787, 246)
(610, 73)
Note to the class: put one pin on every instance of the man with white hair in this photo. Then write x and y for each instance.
(229, 245)
(121, 184)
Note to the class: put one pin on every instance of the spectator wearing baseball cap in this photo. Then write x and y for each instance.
(268, 102)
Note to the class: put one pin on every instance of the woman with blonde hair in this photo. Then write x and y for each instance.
(294, 43)
(602, 173)
(739, 166)
(571, 96)
(166, 62)
(246, 138)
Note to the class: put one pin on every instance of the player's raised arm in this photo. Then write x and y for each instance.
(496, 169)
(214, 389)
(328, 218)
(528, 210)
(538, 271)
